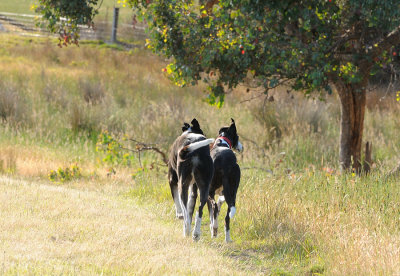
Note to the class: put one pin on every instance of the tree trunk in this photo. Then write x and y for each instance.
(353, 101)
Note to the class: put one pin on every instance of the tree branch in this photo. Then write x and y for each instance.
(140, 146)
(392, 39)
(342, 40)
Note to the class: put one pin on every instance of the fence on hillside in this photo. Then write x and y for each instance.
(25, 24)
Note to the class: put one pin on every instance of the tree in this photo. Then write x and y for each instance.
(312, 45)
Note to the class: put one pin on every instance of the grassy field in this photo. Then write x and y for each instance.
(17, 6)
(296, 214)
(104, 7)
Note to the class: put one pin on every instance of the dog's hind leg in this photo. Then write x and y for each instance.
(230, 201)
(192, 201)
(227, 229)
(203, 184)
(199, 214)
(179, 212)
(173, 184)
(213, 211)
(221, 200)
(231, 186)
(183, 187)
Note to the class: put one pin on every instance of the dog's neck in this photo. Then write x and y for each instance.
(224, 140)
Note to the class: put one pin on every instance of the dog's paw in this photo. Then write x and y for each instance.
(196, 236)
(228, 240)
(228, 236)
(185, 233)
(213, 231)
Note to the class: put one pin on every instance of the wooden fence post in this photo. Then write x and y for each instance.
(114, 25)
(368, 158)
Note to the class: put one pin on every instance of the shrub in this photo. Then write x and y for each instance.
(65, 174)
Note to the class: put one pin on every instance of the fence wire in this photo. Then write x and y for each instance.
(26, 24)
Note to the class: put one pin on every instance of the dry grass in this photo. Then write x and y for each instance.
(59, 230)
(304, 218)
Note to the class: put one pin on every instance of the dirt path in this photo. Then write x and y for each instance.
(47, 229)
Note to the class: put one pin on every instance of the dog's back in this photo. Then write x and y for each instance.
(187, 145)
(226, 172)
(224, 159)
(190, 169)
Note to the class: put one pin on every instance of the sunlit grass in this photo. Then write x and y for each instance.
(301, 217)
(105, 10)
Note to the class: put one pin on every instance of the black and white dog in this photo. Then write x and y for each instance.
(226, 178)
(190, 167)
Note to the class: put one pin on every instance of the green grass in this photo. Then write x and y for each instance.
(303, 218)
(17, 6)
(105, 10)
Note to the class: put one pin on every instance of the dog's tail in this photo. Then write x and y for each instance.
(194, 146)
(200, 144)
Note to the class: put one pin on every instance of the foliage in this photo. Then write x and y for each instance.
(115, 153)
(308, 45)
(64, 17)
(65, 174)
(312, 43)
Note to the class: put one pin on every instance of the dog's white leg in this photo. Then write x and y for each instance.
(178, 207)
(190, 204)
(197, 226)
(232, 212)
(221, 200)
(212, 220)
(214, 230)
(186, 224)
(227, 236)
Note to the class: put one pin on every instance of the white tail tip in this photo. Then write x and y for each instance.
(200, 144)
(232, 211)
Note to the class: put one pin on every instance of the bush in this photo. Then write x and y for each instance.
(65, 174)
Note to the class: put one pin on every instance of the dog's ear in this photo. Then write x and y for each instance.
(196, 126)
(195, 123)
(185, 127)
(232, 128)
(222, 130)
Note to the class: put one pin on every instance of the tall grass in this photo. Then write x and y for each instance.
(302, 216)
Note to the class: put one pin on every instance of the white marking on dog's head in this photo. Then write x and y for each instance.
(189, 130)
(239, 147)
